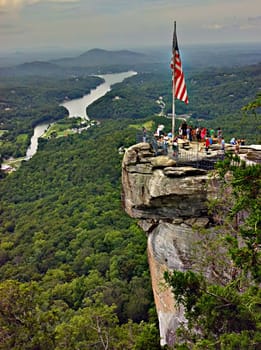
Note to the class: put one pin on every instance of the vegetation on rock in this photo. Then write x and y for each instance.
(222, 302)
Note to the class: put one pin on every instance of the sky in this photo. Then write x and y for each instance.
(125, 24)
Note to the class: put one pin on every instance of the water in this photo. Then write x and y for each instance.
(78, 107)
(39, 130)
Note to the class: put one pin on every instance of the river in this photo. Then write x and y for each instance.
(77, 107)
(39, 130)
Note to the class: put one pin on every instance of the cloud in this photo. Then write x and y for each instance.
(14, 3)
(127, 22)
(11, 4)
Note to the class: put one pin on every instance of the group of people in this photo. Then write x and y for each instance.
(199, 133)
(187, 133)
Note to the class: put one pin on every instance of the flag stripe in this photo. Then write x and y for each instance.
(178, 78)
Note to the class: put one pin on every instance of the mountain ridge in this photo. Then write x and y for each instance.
(89, 62)
(97, 56)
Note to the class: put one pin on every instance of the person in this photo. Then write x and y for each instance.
(188, 132)
(222, 142)
(212, 133)
(207, 144)
(232, 141)
(159, 131)
(219, 135)
(198, 134)
(175, 147)
(203, 133)
(193, 134)
(184, 129)
(237, 146)
(144, 134)
(165, 143)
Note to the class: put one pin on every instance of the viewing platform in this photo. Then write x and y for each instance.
(194, 153)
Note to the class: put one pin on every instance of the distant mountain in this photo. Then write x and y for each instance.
(99, 61)
(33, 68)
(38, 65)
(92, 61)
(99, 57)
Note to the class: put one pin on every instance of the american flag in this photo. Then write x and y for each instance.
(178, 79)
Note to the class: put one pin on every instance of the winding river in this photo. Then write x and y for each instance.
(78, 107)
(39, 130)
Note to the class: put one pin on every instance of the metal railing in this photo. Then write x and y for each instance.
(183, 157)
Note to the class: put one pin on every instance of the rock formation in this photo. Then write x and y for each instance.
(169, 202)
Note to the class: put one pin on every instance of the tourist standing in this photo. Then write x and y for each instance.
(219, 135)
(175, 147)
(184, 127)
(212, 133)
(144, 134)
(207, 144)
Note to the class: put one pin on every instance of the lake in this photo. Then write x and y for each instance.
(78, 107)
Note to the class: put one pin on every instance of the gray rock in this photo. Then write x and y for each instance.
(171, 204)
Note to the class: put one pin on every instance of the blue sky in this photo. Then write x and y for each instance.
(120, 24)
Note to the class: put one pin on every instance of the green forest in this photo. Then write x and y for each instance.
(216, 98)
(74, 270)
(31, 100)
(73, 265)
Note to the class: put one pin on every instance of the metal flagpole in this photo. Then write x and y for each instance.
(173, 108)
(173, 81)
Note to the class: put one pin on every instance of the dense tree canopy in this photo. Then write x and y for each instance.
(28, 101)
(216, 96)
(70, 259)
(73, 266)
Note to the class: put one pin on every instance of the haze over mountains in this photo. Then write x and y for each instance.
(93, 60)
(99, 57)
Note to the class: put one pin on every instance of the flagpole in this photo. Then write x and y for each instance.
(173, 107)
(173, 87)
(179, 90)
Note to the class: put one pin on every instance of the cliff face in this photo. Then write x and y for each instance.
(167, 200)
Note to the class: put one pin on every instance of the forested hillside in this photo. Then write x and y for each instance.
(216, 96)
(74, 267)
(28, 101)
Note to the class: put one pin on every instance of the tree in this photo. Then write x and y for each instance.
(224, 312)
(251, 117)
(23, 325)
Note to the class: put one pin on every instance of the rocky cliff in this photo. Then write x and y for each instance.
(169, 202)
